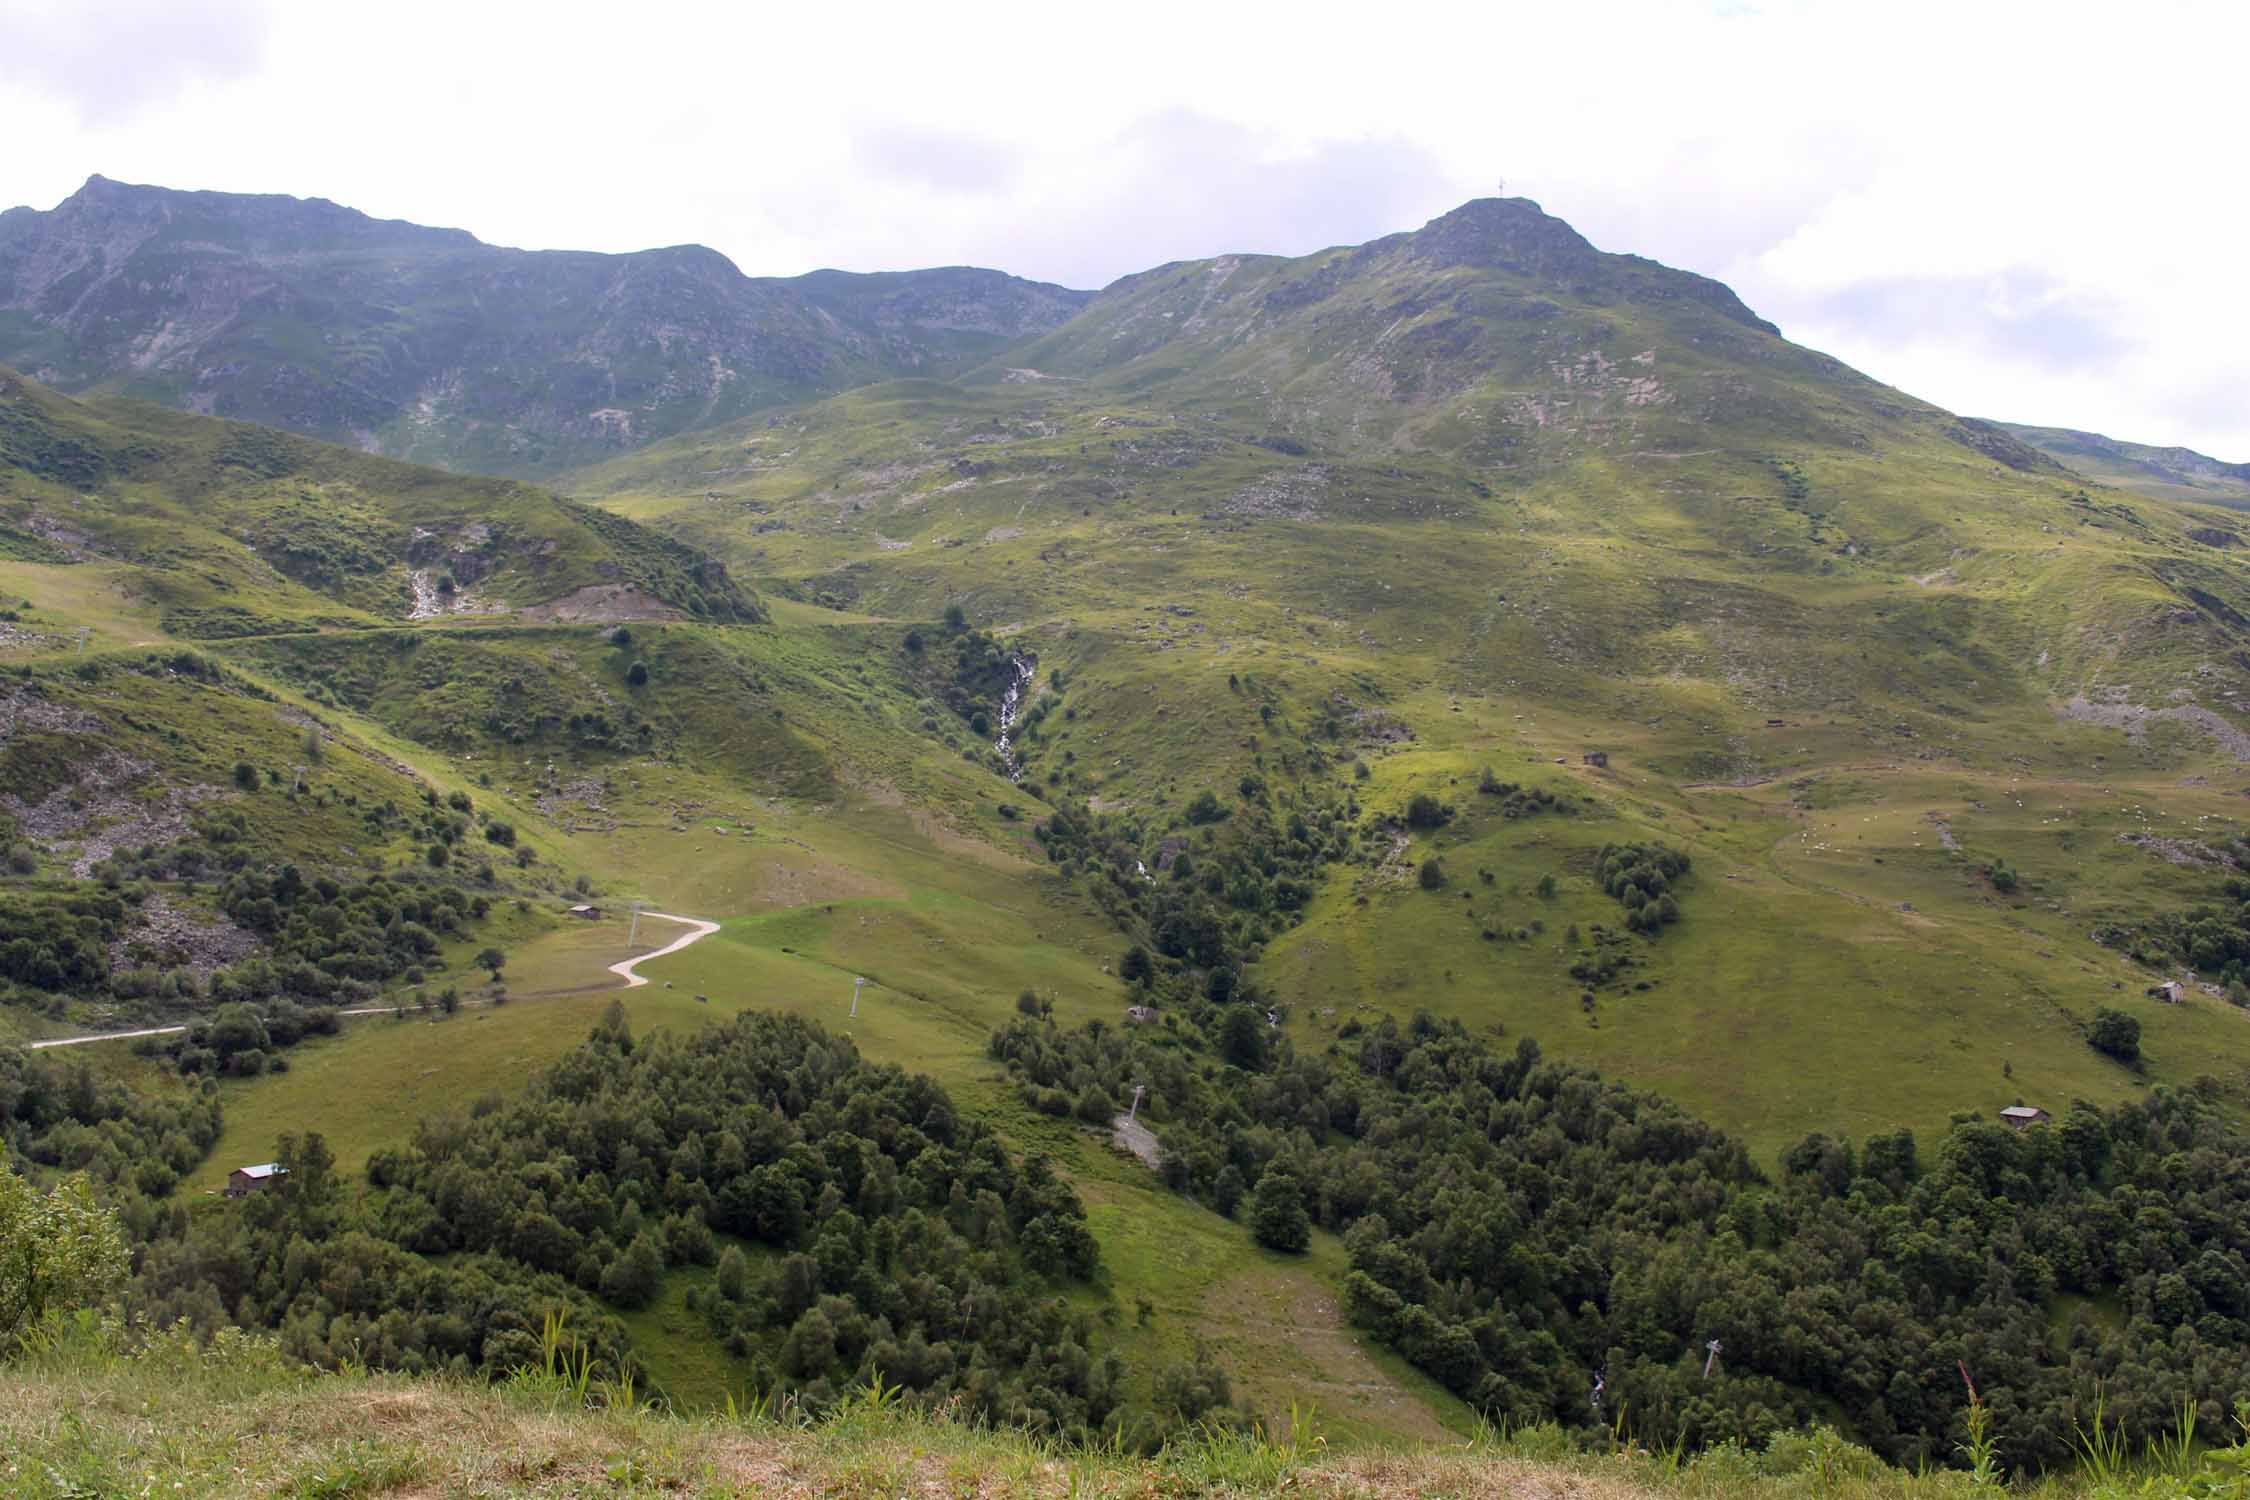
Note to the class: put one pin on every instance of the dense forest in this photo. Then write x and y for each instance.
(1553, 1247)
(856, 1224)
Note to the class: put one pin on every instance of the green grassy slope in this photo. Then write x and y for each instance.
(1329, 533)
(810, 783)
(223, 529)
(1483, 496)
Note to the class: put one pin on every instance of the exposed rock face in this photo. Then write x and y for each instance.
(428, 344)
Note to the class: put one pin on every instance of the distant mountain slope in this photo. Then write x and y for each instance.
(1495, 334)
(1484, 515)
(427, 344)
(234, 529)
(2174, 473)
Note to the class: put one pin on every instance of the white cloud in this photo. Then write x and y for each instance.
(2014, 209)
(108, 61)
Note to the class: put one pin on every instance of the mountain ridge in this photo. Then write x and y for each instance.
(431, 345)
(2170, 471)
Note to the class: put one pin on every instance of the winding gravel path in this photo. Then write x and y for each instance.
(623, 969)
(126, 1036)
(702, 928)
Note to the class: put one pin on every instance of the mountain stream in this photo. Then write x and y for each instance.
(1011, 707)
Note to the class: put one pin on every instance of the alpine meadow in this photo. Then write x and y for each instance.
(1444, 866)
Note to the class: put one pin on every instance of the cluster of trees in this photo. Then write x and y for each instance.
(1522, 801)
(321, 932)
(857, 1223)
(857, 1226)
(1520, 1228)
(968, 675)
(242, 1038)
(1219, 895)
(2213, 936)
(325, 1271)
(60, 1117)
(58, 941)
(1640, 877)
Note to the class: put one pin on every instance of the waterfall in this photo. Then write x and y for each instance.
(1011, 705)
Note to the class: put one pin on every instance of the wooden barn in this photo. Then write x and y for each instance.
(243, 1181)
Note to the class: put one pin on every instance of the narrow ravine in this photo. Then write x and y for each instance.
(1011, 705)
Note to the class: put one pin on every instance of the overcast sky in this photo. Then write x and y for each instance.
(2030, 212)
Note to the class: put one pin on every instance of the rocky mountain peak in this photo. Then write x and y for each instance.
(1507, 234)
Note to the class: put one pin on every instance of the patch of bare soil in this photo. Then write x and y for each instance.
(600, 604)
(1137, 1138)
(1285, 494)
(163, 936)
(16, 638)
(577, 805)
(22, 712)
(128, 824)
(2134, 719)
(2174, 851)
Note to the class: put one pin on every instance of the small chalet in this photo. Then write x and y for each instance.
(2171, 991)
(243, 1181)
(1141, 1015)
(587, 913)
(2024, 1116)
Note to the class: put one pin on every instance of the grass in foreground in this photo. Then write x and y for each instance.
(78, 1418)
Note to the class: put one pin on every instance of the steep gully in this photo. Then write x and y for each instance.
(1011, 707)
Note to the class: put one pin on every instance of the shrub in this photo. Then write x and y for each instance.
(1277, 1213)
(637, 674)
(1425, 811)
(734, 1274)
(1433, 874)
(633, 1278)
(58, 1250)
(2116, 1034)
